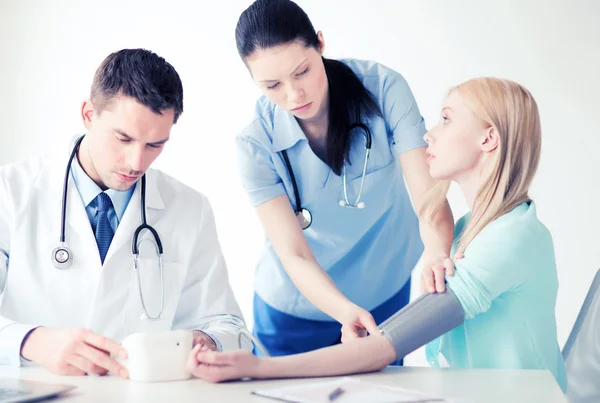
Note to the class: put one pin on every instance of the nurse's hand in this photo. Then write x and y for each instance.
(356, 322)
(435, 270)
(73, 352)
(215, 367)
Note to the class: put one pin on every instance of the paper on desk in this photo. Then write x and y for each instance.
(355, 391)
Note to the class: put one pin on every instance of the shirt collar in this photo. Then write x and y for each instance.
(88, 190)
(286, 130)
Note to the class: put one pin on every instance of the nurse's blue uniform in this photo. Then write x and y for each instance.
(369, 253)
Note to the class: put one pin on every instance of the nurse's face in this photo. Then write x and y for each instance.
(457, 142)
(293, 77)
(122, 141)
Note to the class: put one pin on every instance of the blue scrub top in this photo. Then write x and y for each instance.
(369, 253)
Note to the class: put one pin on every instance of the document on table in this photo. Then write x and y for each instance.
(354, 391)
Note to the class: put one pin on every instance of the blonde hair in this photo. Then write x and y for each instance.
(512, 111)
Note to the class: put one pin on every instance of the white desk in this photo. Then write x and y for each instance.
(486, 386)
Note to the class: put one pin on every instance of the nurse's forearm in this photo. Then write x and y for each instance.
(438, 234)
(361, 355)
(316, 285)
(292, 248)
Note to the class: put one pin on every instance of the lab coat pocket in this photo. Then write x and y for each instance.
(147, 309)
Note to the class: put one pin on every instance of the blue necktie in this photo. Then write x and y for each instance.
(103, 230)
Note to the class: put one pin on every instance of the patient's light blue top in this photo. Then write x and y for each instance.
(507, 285)
(369, 252)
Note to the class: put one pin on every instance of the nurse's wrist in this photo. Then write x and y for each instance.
(333, 302)
(346, 312)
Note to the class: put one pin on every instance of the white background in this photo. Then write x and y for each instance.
(50, 49)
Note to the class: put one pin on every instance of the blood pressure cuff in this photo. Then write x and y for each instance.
(428, 317)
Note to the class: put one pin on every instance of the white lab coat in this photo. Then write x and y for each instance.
(105, 298)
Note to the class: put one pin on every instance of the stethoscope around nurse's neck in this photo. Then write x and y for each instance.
(303, 215)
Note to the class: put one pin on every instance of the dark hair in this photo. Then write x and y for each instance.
(269, 23)
(142, 75)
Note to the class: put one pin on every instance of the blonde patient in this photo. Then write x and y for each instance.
(503, 291)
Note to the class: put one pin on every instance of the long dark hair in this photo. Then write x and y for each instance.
(269, 23)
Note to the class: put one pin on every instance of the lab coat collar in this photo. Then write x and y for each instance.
(154, 199)
(89, 190)
(132, 217)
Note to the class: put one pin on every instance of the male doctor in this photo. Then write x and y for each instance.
(70, 320)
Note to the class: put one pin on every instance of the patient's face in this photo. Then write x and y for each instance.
(455, 143)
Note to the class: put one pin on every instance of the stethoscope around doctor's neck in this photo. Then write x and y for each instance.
(304, 215)
(62, 256)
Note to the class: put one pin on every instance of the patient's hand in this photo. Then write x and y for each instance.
(213, 366)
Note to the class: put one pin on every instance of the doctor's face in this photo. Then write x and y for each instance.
(122, 141)
(293, 77)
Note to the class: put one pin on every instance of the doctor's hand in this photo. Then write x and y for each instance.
(73, 352)
(201, 339)
(213, 366)
(435, 270)
(356, 322)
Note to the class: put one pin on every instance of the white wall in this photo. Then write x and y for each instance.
(50, 50)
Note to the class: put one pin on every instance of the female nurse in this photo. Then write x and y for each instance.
(324, 162)
(499, 309)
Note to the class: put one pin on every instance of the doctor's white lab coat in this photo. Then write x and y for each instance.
(105, 298)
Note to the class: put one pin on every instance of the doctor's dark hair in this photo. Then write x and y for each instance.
(139, 74)
(269, 23)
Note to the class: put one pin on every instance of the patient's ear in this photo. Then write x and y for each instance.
(490, 140)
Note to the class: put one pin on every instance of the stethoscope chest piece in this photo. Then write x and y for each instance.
(304, 218)
(62, 257)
